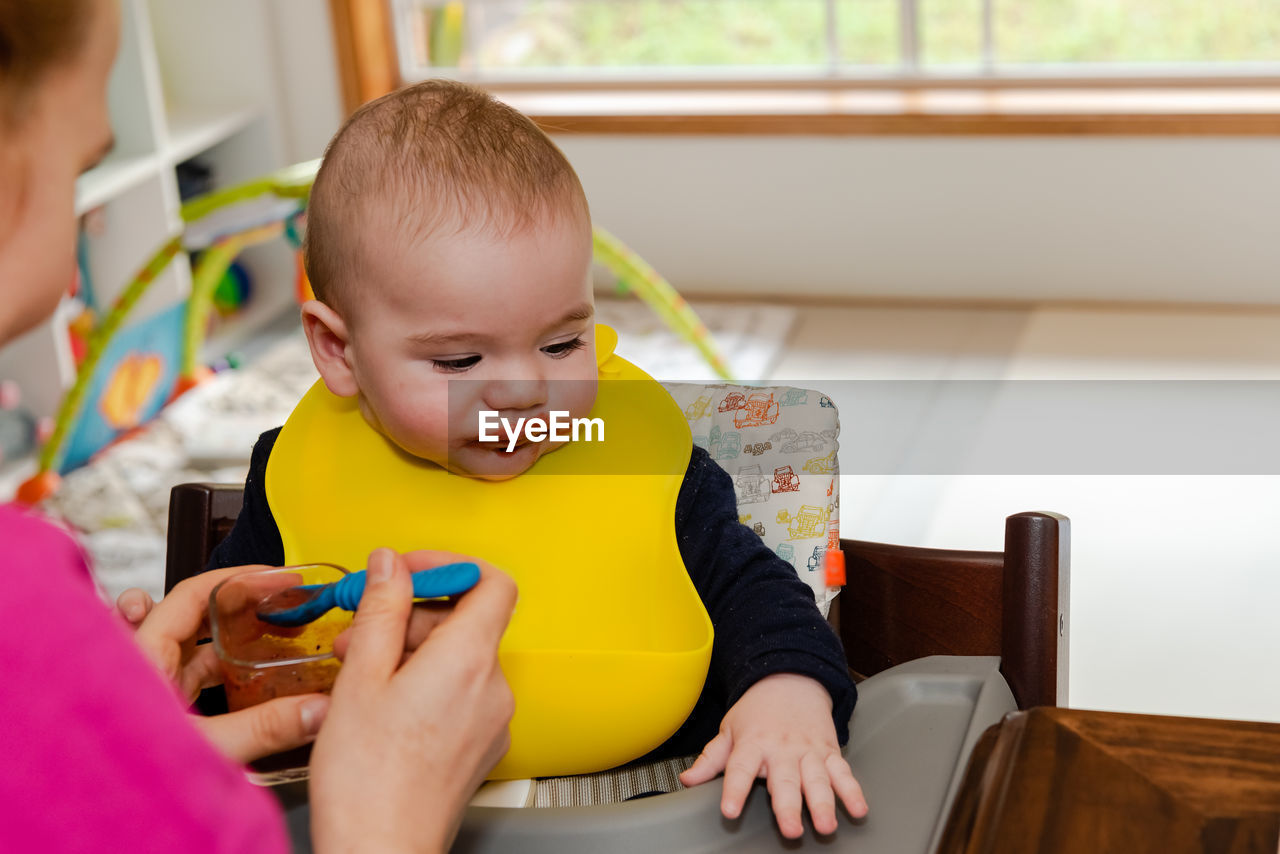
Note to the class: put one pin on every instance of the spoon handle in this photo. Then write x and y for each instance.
(448, 580)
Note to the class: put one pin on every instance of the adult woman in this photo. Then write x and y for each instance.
(99, 755)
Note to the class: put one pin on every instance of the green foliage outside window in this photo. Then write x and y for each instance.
(638, 34)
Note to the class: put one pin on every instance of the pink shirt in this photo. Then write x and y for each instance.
(96, 753)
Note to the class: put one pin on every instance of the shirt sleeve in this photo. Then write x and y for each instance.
(99, 754)
(255, 538)
(764, 616)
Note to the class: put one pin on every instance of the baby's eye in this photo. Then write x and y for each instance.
(455, 365)
(564, 348)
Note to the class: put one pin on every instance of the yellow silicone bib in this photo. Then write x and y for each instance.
(609, 645)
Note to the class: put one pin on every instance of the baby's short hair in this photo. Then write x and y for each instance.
(435, 155)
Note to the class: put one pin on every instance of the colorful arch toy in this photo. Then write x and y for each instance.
(631, 272)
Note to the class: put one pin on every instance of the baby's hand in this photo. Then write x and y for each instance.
(781, 729)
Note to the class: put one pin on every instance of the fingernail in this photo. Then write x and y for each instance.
(313, 712)
(381, 563)
(134, 612)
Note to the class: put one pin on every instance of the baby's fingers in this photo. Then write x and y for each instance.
(816, 784)
(740, 771)
(846, 786)
(710, 761)
(784, 791)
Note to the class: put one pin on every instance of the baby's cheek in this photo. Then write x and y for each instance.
(419, 424)
(579, 393)
(436, 427)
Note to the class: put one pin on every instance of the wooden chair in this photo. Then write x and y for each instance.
(900, 602)
(200, 516)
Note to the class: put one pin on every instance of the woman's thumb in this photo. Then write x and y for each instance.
(377, 633)
(271, 727)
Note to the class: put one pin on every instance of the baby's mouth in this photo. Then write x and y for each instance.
(500, 448)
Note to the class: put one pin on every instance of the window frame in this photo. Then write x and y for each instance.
(1235, 99)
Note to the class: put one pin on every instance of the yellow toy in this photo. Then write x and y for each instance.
(609, 646)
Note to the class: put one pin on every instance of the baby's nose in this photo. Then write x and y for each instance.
(524, 393)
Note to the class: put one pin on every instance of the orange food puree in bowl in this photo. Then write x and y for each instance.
(260, 661)
(283, 670)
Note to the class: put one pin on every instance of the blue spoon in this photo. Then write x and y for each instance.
(300, 605)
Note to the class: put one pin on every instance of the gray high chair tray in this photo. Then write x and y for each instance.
(911, 734)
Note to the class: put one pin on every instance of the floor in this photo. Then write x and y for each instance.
(1175, 568)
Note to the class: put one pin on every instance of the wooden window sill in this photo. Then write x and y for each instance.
(1241, 111)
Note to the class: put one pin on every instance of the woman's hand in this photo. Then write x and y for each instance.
(133, 605)
(410, 737)
(168, 633)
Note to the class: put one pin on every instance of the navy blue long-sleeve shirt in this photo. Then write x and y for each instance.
(764, 616)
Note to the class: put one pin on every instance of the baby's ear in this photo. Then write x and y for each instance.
(328, 337)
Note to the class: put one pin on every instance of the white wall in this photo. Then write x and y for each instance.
(307, 69)
(1173, 582)
(1163, 219)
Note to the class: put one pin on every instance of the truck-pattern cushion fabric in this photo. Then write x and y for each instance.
(778, 444)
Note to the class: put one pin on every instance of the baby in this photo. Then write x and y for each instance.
(449, 239)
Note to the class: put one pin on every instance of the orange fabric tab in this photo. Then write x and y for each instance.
(834, 566)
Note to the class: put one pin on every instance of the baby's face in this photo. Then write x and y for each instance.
(476, 321)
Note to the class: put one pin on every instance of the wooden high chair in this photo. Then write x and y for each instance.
(903, 603)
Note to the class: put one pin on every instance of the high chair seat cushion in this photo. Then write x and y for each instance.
(778, 444)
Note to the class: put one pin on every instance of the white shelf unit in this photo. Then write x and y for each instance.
(111, 177)
(192, 79)
(192, 131)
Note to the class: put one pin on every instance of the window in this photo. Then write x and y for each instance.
(891, 42)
